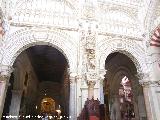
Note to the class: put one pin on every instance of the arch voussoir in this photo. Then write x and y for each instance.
(23, 39)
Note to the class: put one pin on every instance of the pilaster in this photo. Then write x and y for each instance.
(88, 38)
(5, 72)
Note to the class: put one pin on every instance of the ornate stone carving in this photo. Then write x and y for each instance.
(150, 83)
(91, 85)
(91, 59)
(25, 38)
(145, 81)
(143, 76)
(5, 72)
(129, 48)
(90, 49)
(92, 75)
(88, 12)
(58, 13)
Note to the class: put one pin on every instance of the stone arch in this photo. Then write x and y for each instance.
(25, 38)
(125, 46)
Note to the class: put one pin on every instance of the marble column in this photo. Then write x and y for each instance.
(91, 85)
(147, 101)
(5, 72)
(15, 103)
(101, 91)
(153, 83)
(72, 101)
(151, 100)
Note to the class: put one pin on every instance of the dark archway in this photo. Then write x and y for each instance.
(40, 71)
(122, 93)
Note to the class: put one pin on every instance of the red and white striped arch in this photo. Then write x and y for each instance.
(155, 40)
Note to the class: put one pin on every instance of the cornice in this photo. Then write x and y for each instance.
(30, 25)
(120, 36)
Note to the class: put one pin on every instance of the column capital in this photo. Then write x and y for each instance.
(91, 83)
(102, 73)
(5, 72)
(72, 77)
(143, 76)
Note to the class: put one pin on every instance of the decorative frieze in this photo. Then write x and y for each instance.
(46, 12)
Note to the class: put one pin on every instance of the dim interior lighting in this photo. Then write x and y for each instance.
(58, 111)
(45, 94)
(36, 106)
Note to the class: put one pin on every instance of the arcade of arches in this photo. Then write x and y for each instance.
(80, 59)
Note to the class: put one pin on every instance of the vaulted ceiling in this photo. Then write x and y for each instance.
(48, 62)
